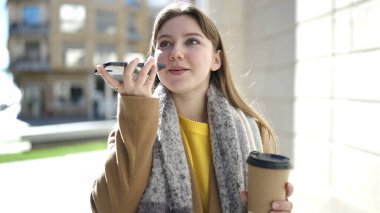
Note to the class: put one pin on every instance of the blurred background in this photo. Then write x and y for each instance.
(311, 67)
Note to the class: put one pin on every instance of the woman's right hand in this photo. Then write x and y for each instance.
(139, 86)
(279, 206)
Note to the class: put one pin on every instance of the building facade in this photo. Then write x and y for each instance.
(55, 45)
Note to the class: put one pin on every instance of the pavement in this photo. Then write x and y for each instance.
(59, 184)
(63, 185)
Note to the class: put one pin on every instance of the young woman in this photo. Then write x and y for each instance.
(182, 139)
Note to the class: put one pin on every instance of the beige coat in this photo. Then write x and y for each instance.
(127, 169)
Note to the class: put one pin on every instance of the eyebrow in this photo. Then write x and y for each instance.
(186, 35)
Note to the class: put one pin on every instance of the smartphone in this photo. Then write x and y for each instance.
(117, 68)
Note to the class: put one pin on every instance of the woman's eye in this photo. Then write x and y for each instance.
(164, 44)
(192, 41)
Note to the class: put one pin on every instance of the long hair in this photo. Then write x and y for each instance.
(221, 78)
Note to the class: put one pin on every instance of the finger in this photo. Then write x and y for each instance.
(129, 69)
(282, 206)
(152, 76)
(289, 189)
(244, 196)
(110, 81)
(142, 77)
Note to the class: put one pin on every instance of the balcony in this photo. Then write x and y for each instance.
(28, 65)
(133, 5)
(24, 29)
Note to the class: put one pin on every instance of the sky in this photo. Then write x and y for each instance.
(4, 58)
(13, 94)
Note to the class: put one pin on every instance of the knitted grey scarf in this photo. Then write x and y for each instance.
(169, 186)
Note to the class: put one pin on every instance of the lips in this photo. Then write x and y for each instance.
(177, 69)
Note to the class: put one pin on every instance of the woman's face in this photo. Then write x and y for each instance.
(188, 54)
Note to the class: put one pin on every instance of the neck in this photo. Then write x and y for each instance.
(193, 107)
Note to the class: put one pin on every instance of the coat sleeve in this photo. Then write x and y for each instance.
(125, 176)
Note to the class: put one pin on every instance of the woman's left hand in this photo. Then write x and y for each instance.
(278, 206)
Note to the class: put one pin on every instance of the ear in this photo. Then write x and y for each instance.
(217, 62)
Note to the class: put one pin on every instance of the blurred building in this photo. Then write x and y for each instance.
(55, 45)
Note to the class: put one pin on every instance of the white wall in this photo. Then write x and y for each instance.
(338, 101)
(312, 68)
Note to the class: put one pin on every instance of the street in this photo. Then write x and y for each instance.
(59, 184)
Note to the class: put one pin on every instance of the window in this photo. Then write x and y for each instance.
(76, 94)
(33, 99)
(67, 93)
(32, 51)
(132, 30)
(73, 55)
(104, 53)
(132, 3)
(72, 18)
(105, 22)
(32, 16)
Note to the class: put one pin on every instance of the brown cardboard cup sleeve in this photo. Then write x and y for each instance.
(267, 176)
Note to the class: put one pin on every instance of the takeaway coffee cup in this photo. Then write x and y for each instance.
(267, 176)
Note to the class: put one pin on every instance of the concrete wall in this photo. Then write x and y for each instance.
(312, 68)
(259, 38)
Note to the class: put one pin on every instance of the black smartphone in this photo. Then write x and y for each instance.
(117, 68)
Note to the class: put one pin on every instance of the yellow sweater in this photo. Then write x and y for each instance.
(197, 143)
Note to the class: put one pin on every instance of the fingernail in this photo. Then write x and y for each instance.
(276, 205)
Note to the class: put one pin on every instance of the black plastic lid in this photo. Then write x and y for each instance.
(270, 161)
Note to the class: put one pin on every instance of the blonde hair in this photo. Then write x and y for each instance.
(222, 77)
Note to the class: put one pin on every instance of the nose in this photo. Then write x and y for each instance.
(176, 53)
